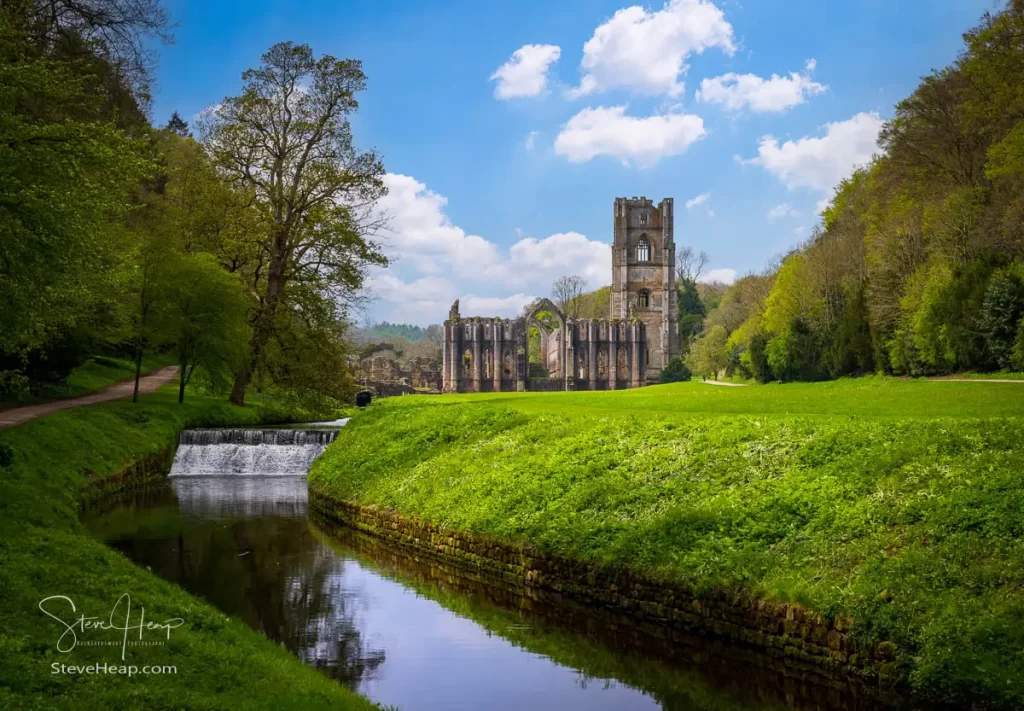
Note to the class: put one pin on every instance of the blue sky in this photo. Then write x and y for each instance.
(503, 179)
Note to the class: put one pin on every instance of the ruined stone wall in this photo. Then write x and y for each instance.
(491, 355)
(786, 631)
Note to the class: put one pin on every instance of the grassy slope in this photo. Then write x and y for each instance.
(45, 551)
(898, 502)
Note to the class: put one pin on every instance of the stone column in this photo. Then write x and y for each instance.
(592, 354)
(634, 356)
(496, 349)
(613, 355)
(445, 353)
(478, 364)
(522, 360)
(569, 349)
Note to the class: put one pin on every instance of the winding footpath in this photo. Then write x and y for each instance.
(119, 391)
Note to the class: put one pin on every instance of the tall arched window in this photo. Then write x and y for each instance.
(644, 298)
(643, 249)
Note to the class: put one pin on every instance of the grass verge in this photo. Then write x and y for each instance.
(45, 551)
(95, 374)
(911, 525)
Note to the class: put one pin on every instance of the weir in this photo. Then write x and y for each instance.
(270, 452)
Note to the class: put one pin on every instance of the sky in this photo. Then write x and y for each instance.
(507, 129)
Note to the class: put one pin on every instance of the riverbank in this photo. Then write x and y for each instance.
(45, 551)
(904, 531)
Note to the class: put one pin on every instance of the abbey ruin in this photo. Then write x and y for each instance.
(543, 349)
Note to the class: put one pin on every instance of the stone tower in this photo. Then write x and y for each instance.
(644, 275)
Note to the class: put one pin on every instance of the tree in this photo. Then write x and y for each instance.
(675, 372)
(1000, 313)
(708, 355)
(287, 139)
(178, 126)
(201, 315)
(566, 292)
(690, 264)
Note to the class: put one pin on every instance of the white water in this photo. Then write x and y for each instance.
(287, 452)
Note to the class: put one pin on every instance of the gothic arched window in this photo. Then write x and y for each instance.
(643, 249)
(644, 299)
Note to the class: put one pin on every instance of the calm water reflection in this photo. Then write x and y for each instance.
(411, 633)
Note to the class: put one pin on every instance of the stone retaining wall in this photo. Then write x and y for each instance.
(800, 637)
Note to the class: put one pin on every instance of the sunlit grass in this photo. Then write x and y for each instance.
(897, 502)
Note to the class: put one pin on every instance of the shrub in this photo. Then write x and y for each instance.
(675, 372)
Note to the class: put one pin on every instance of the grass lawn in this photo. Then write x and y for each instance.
(896, 502)
(45, 551)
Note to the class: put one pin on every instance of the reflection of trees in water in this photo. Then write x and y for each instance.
(274, 575)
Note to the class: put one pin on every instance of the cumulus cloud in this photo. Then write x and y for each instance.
(438, 262)
(749, 91)
(609, 131)
(526, 73)
(821, 162)
(419, 231)
(783, 210)
(646, 51)
(504, 306)
(724, 276)
(699, 200)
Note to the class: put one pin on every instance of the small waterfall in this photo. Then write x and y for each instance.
(216, 452)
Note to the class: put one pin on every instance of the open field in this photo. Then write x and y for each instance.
(895, 502)
(863, 397)
(220, 662)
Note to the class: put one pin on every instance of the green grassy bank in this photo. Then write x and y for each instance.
(905, 514)
(45, 551)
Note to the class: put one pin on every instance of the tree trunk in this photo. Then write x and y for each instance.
(181, 383)
(263, 328)
(138, 373)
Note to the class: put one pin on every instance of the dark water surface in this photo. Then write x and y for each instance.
(415, 633)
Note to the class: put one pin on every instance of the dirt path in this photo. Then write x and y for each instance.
(119, 391)
(728, 385)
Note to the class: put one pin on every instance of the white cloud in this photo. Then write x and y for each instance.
(561, 254)
(725, 276)
(823, 204)
(820, 163)
(783, 210)
(419, 231)
(609, 131)
(531, 140)
(504, 306)
(437, 261)
(646, 51)
(799, 231)
(740, 91)
(526, 73)
(699, 200)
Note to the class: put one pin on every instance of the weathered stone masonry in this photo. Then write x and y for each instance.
(801, 637)
(491, 355)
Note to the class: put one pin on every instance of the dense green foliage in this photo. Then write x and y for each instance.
(220, 662)
(106, 218)
(909, 524)
(675, 372)
(918, 266)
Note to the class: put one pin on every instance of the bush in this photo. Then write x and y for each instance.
(675, 372)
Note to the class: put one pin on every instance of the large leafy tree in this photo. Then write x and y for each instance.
(287, 139)
(66, 178)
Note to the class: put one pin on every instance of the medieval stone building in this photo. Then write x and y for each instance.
(492, 354)
(644, 276)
